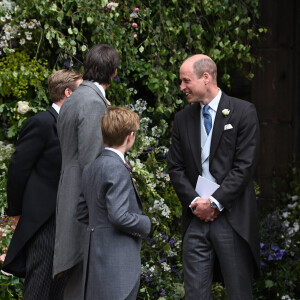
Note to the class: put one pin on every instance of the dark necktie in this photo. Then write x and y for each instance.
(207, 119)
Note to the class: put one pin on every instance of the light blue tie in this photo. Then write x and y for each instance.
(207, 119)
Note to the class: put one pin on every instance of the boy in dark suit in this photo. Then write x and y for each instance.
(112, 208)
(33, 177)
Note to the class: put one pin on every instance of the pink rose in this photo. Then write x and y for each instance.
(134, 25)
(110, 5)
(135, 36)
(136, 9)
(2, 257)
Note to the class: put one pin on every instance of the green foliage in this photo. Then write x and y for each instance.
(10, 286)
(152, 41)
(6, 151)
(21, 79)
(153, 38)
(280, 249)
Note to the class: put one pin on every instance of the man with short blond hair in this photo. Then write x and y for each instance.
(33, 177)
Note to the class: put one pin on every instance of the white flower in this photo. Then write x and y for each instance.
(23, 24)
(30, 25)
(8, 29)
(8, 16)
(292, 205)
(286, 214)
(225, 112)
(22, 41)
(23, 107)
(165, 266)
(28, 35)
(167, 177)
(294, 198)
(160, 175)
(3, 19)
(3, 44)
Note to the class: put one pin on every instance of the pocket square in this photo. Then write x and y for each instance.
(228, 126)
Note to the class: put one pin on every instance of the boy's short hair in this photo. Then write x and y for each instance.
(59, 81)
(116, 124)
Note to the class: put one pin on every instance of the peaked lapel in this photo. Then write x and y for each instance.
(194, 133)
(220, 122)
(53, 112)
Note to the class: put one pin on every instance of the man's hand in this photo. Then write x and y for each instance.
(203, 210)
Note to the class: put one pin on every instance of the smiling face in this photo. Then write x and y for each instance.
(194, 87)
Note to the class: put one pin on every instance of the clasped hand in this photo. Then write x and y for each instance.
(202, 209)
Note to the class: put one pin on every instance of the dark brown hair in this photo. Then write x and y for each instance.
(100, 64)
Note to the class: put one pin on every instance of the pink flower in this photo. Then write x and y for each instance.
(13, 227)
(135, 36)
(2, 257)
(110, 5)
(134, 25)
(136, 9)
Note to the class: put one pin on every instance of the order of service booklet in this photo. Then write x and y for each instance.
(205, 188)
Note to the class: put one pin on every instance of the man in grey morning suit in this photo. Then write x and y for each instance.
(33, 177)
(80, 137)
(216, 137)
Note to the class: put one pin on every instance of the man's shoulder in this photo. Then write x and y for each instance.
(237, 101)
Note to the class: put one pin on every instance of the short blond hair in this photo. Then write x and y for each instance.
(61, 80)
(116, 124)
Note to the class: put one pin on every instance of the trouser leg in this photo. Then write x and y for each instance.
(39, 259)
(235, 259)
(198, 261)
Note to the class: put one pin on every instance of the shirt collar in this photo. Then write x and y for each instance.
(56, 107)
(100, 87)
(214, 103)
(117, 152)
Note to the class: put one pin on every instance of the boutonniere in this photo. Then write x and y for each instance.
(226, 112)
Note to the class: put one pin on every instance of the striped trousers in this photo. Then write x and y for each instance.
(39, 284)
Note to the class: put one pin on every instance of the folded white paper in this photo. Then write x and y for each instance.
(205, 188)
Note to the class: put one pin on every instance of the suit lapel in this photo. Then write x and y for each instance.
(53, 112)
(115, 155)
(220, 122)
(194, 134)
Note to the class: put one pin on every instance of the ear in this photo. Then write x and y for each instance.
(68, 92)
(115, 74)
(206, 77)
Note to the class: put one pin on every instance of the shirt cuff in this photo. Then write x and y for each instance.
(212, 199)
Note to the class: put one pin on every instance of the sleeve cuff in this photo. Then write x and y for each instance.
(220, 207)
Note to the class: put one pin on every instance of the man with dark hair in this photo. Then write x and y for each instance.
(80, 137)
(33, 177)
(216, 137)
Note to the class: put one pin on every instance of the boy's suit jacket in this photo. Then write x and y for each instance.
(33, 177)
(113, 209)
(232, 161)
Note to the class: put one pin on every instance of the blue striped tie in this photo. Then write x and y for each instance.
(207, 119)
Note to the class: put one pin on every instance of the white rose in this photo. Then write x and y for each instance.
(23, 107)
(225, 112)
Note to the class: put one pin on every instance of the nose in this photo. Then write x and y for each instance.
(182, 86)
